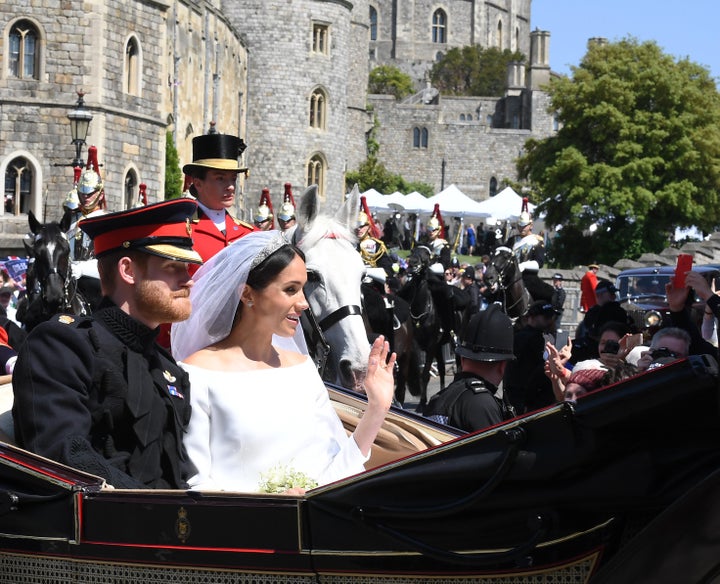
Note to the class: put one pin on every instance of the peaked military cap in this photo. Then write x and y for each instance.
(162, 229)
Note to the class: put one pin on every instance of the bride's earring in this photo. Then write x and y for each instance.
(250, 303)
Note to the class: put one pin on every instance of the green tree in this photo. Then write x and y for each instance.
(389, 80)
(473, 70)
(173, 174)
(637, 153)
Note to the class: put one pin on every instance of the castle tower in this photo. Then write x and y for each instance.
(299, 66)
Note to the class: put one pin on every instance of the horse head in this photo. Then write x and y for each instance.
(419, 259)
(49, 254)
(335, 272)
(501, 270)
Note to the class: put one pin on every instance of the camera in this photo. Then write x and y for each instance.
(662, 353)
(611, 347)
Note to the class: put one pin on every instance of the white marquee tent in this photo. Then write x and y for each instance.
(454, 202)
(505, 206)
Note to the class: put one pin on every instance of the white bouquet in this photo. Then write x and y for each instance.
(279, 479)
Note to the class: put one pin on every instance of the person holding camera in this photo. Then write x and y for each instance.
(668, 344)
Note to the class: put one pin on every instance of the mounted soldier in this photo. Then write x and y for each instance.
(529, 249)
(264, 218)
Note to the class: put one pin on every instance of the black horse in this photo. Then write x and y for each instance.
(433, 316)
(51, 287)
(389, 315)
(505, 284)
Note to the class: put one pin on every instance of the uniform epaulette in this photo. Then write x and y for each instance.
(243, 223)
(72, 320)
(476, 385)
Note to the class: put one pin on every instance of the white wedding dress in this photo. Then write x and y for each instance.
(244, 423)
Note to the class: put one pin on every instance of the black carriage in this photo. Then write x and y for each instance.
(576, 492)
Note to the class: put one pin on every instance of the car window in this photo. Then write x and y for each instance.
(648, 285)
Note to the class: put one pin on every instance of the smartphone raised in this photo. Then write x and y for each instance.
(684, 265)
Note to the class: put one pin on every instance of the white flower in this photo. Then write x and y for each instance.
(280, 478)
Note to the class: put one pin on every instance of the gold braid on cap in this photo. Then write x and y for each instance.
(275, 244)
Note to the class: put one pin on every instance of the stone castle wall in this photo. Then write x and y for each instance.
(82, 46)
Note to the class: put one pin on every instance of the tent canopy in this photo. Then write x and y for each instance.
(454, 202)
(505, 206)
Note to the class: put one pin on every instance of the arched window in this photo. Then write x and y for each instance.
(517, 39)
(462, 117)
(318, 109)
(18, 186)
(373, 23)
(439, 26)
(499, 35)
(132, 67)
(316, 173)
(132, 197)
(493, 186)
(420, 137)
(23, 51)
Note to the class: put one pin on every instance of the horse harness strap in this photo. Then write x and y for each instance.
(338, 315)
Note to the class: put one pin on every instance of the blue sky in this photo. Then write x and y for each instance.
(687, 29)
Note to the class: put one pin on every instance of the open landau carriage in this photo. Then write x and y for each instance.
(621, 486)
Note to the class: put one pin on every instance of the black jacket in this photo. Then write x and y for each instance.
(469, 403)
(99, 394)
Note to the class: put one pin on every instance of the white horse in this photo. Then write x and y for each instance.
(335, 272)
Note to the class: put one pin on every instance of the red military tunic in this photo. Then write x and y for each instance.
(207, 238)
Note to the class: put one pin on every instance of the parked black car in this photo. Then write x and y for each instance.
(641, 292)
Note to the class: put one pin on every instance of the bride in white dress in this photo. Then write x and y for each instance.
(258, 406)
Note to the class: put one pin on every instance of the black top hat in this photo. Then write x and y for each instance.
(216, 151)
(488, 336)
(162, 229)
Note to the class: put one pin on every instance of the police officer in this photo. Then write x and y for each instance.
(98, 393)
(473, 400)
(213, 174)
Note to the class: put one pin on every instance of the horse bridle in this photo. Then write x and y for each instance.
(505, 286)
(317, 328)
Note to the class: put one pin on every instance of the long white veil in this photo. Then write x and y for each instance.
(216, 294)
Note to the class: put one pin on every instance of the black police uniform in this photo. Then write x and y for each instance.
(469, 403)
(99, 394)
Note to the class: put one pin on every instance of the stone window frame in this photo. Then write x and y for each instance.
(493, 186)
(38, 61)
(373, 23)
(132, 66)
(318, 108)
(421, 137)
(439, 26)
(320, 38)
(33, 194)
(499, 34)
(316, 172)
(131, 185)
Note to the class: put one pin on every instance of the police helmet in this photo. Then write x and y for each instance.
(487, 337)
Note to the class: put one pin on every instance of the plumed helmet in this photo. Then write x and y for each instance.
(90, 186)
(524, 220)
(362, 219)
(488, 336)
(287, 212)
(287, 209)
(433, 224)
(263, 213)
